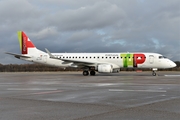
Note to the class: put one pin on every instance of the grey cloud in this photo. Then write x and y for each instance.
(45, 33)
(92, 26)
(100, 15)
(79, 36)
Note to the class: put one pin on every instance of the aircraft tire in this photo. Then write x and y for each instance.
(154, 73)
(92, 73)
(85, 73)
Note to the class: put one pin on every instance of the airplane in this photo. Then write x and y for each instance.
(91, 62)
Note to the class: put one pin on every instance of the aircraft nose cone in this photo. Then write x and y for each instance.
(173, 64)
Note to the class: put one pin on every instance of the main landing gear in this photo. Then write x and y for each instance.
(89, 70)
(92, 73)
(86, 73)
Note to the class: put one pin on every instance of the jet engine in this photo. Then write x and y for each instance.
(105, 68)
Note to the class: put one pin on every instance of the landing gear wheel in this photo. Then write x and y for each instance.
(154, 73)
(92, 73)
(85, 73)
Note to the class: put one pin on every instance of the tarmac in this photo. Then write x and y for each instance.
(72, 96)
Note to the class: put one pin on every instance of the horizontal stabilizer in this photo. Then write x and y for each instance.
(18, 55)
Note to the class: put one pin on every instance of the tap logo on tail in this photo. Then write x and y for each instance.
(24, 42)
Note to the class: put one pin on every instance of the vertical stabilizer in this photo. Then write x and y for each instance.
(24, 42)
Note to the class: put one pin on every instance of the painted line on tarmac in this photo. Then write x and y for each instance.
(123, 90)
(105, 84)
(48, 92)
(143, 98)
(172, 75)
(153, 101)
(19, 89)
(10, 83)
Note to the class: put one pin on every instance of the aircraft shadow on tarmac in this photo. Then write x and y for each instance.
(126, 74)
(120, 74)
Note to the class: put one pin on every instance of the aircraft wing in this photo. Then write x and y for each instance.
(18, 55)
(75, 62)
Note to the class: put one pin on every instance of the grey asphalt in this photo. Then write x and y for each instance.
(72, 96)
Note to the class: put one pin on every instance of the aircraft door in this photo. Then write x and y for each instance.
(45, 58)
(151, 59)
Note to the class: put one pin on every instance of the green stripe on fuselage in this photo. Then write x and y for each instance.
(127, 60)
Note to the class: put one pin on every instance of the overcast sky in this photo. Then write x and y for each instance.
(91, 26)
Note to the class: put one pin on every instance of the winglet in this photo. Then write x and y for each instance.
(50, 55)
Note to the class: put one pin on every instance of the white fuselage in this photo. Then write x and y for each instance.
(117, 60)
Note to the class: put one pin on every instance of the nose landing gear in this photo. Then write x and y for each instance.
(154, 71)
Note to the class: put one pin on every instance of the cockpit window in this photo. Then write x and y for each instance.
(162, 57)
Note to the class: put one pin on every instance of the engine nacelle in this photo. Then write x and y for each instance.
(105, 68)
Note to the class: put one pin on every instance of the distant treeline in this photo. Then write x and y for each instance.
(32, 68)
(42, 68)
